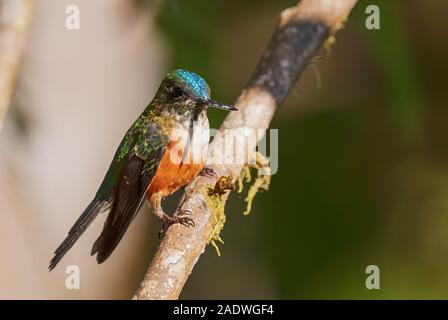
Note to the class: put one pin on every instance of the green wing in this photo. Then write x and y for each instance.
(122, 190)
(137, 173)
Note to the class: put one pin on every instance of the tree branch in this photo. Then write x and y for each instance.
(15, 17)
(300, 33)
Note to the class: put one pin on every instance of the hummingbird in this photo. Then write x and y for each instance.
(162, 151)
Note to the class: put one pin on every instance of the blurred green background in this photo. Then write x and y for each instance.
(362, 173)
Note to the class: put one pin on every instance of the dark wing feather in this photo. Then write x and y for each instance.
(122, 191)
(129, 197)
(136, 176)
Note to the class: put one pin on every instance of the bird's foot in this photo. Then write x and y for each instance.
(180, 217)
(183, 217)
(208, 172)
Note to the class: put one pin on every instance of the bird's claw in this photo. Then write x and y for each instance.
(208, 172)
(180, 217)
(186, 222)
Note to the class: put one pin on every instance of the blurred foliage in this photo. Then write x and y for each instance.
(362, 163)
(393, 57)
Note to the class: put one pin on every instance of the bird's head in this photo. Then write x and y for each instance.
(184, 91)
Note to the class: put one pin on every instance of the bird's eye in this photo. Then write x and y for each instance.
(177, 92)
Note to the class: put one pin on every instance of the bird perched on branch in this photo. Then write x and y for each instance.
(162, 151)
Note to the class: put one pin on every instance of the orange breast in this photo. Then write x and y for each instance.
(172, 174)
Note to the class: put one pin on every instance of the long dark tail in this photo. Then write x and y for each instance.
(86, 218)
